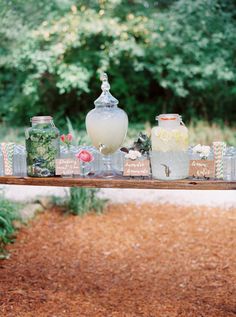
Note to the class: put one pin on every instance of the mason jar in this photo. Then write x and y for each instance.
(170, 157)
(42, 146)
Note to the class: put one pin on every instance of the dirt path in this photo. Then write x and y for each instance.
(149, 260)
(211, 198)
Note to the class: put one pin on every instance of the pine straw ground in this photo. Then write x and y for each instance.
(133, 260)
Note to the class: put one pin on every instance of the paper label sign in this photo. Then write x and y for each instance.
(202, 168)
(67, 166)
(136, 168)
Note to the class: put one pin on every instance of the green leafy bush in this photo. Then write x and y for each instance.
(80, 200)
(84, 200)
(175, 56)
(8, 214)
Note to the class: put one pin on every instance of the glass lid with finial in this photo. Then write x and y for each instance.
(105, 99)
(107, 126)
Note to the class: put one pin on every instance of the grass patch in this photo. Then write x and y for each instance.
(205, 133)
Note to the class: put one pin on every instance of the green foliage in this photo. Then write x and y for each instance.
(175, 56)
(8, 213)
(83, 200)
(143, 143)
(79, 137)
(196, 64)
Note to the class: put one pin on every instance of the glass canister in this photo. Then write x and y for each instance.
(42, 146)
(107, 126)
(169, 157)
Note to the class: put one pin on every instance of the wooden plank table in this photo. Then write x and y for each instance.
(121, 182)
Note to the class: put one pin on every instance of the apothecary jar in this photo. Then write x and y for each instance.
(107, 126)
(169, 157)
(42, 146)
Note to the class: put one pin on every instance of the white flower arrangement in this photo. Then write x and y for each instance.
(202, 150)
(133, 155)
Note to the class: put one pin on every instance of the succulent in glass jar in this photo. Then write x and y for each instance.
(42, 145)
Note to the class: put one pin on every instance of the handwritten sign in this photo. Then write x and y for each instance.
(202, 168)
(67, 166)
(136, 168)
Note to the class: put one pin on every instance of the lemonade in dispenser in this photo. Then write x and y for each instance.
(169, 158)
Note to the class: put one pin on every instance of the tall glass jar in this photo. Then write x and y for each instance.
(169, 158)
(42, 146)
(107, 126)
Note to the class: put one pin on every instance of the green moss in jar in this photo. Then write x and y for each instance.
(43, 146)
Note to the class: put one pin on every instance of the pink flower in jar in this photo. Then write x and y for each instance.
(69, 137)
(85, 156)
(63, 138)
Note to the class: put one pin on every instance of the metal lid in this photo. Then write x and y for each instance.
(169, 116)
(41, 119)
(105, 99)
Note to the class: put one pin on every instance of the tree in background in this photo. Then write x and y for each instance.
(162, 56)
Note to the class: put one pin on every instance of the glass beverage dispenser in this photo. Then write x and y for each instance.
(107, 127)
(169, 156)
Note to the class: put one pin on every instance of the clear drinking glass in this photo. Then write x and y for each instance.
(118, 160)
(229, 164)
(1, 163)
(23, 163)
(66, 152)
(107, 127)
(19, 161)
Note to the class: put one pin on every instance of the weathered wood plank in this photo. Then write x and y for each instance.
(187, 184)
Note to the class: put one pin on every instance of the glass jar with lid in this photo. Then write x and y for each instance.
(42, 146)
(107, 126)
(169, 157)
